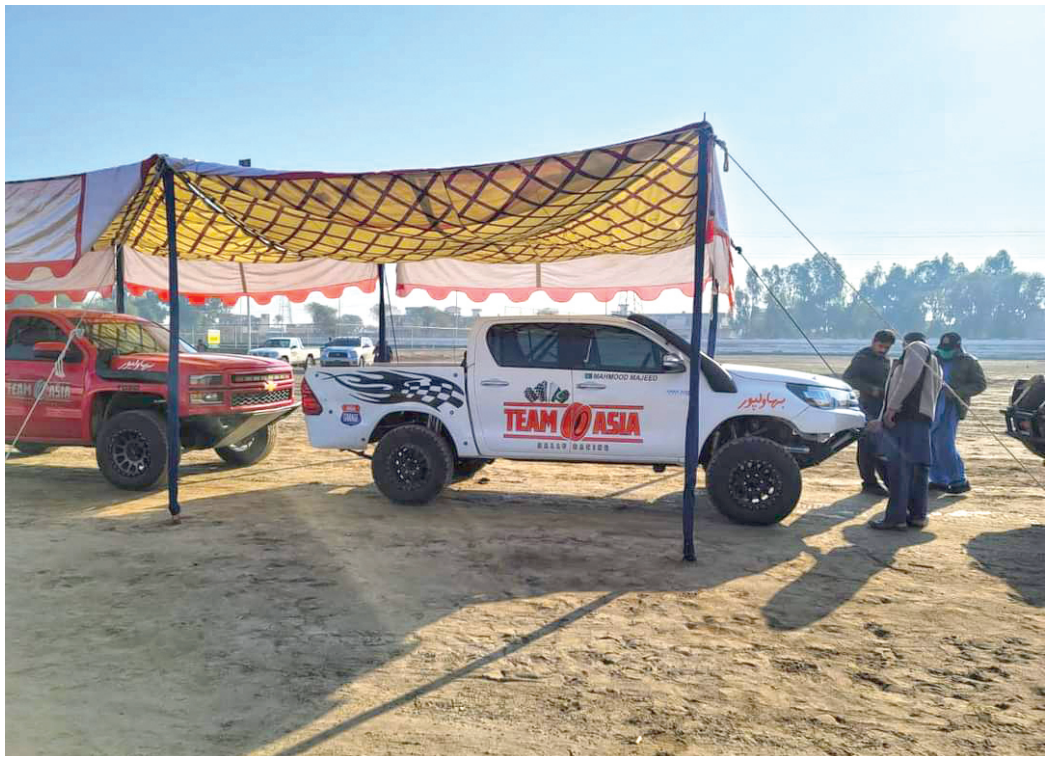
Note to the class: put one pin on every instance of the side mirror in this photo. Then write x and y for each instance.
(50, 350)
(673, 363)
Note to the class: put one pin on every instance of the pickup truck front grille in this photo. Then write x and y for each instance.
(256, 398)
(259, 377)
(337, 355)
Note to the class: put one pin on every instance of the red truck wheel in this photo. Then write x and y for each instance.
(131, 449)
(253, 449)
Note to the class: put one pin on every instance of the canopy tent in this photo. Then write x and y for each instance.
(637, 198)
(199, 280)
(602, 276)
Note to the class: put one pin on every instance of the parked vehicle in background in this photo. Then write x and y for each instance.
(111, 388)
(1025, 416)
(599, 389)
(348, 352)
(288, 349)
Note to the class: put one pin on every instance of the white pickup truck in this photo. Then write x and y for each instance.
(584, 389)
(287, 349)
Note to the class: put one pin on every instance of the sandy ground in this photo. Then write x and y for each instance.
(539, 609)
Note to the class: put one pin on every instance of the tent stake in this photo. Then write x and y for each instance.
(692, 423)
(172, 405)
(119, 280)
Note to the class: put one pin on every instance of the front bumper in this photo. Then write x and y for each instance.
(251, 423)
(1026, 426)
(808, 452)
(339, 363)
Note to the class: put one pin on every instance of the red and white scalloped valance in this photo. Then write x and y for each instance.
(199, 280)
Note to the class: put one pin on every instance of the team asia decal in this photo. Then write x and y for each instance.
(578, 427)
(24, 389)
(391, 387)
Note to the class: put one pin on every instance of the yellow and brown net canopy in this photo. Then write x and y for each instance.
(637, 197)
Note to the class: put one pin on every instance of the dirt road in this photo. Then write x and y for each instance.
(539, 609)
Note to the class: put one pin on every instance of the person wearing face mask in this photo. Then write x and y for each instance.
(904, 429)
(962, 374)
(867, 373)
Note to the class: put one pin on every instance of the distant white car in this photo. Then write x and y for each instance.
(288, 349)
(348, 352)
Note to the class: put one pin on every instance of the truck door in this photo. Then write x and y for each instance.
(58, 416)
(521, 392)
(635, 410)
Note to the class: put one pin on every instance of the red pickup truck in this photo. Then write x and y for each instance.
(109, 392)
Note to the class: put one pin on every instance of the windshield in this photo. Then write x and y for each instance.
(346, 342)
(131, 337)
(277, 343)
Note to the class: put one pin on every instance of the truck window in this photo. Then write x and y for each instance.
(524, 345)
(615, 349)
(26, 331)
(277, 343)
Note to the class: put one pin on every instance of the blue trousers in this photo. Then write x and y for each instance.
(946, 466)
(906, 448)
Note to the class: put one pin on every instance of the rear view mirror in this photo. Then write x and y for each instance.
(50, 350)
(673, 363)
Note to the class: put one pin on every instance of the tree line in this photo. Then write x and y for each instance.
(995, 300)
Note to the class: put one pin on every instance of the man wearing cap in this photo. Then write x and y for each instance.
(962, 374)
(868, 372)
(908, 410)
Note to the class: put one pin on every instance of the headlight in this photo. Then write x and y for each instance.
(206, 397)
(823, 397)
(206, 381)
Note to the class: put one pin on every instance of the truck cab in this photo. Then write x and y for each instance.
(585, 389)
(99, 379)
(357, 351)
(287, 349)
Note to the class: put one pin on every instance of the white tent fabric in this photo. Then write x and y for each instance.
(199, 280)
(601, 276)
(49, 222)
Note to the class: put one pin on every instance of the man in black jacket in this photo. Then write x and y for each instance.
(963, 374)
(868, 374)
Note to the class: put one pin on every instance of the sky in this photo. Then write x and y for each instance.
(889, 134)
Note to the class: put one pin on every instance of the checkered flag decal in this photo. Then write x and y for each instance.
(391, 387)
(434, 392)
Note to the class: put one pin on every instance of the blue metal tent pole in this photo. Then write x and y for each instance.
(119, 279)
(173, 377)
(712, 329)
(692, 424)
(382, 345)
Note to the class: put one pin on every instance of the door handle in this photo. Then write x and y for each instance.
(591, 385)
(494, 382)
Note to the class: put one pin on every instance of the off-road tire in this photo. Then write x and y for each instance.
(309, 362)
(285, 359)
(752, 480)
(131, 449)
(30, 448)
(412, 464)
(468, 468)
(362, 361)
(252, 449)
